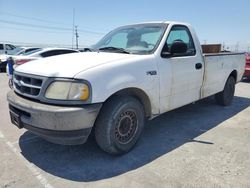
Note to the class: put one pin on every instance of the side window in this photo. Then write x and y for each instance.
(9, 47)
(1, 46)
(181, 33)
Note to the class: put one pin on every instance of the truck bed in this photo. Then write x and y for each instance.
(218, 66)
(222, 54)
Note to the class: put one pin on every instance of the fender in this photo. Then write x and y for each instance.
(108, 79)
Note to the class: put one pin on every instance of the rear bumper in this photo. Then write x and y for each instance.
(57, 124)
(247, 72)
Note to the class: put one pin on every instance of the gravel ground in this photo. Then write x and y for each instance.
(199, 145)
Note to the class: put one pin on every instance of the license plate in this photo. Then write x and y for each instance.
(15, 119)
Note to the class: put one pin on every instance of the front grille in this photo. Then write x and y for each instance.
(27, 85)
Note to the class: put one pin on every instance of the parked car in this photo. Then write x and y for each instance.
(41, 53)
(134, 73)
(16, 52)
(24, 50)
(6, 48)
(247, 69)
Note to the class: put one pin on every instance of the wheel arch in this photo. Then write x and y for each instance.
(139, 94)
(234, 75)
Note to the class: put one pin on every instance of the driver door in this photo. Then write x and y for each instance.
(186, 75)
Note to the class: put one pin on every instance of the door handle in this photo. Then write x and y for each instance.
(198, 65)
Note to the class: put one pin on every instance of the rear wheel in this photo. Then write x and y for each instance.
(119, 124)
(225, 97)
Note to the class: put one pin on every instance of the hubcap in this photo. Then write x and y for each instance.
(126, 126)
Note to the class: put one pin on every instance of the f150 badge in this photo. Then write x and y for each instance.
(151, 73)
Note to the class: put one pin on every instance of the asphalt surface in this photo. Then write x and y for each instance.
(199, 145)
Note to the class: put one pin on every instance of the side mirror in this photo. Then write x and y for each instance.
(178, 47)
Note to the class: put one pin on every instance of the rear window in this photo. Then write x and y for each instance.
(56, 52)
(1, 46)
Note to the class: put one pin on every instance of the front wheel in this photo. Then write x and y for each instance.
(119, 124)
(225, 97)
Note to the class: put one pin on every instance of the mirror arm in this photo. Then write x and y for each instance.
(166, 54)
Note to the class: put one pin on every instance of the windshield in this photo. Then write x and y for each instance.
(31, 52)
(15, 51)
(135, 39)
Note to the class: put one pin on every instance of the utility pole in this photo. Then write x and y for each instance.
(77, 36)
(237, 47)
(73, 27)
(223, 46)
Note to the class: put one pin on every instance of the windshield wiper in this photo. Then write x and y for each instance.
(111, 48)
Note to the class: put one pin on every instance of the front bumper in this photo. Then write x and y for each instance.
(57, 124)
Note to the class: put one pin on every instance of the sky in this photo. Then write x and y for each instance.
(50, 22)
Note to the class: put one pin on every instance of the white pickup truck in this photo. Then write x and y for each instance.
(134, 73)
(7, 48)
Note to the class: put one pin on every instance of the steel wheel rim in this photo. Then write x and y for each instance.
(126, 126)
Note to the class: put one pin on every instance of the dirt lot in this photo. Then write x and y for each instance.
(199, 145)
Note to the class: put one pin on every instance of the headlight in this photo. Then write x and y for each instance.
(64, 90)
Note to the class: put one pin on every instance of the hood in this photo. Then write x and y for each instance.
(69, 65)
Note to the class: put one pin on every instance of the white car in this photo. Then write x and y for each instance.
(38, 54)
(23, 50)
(135, 72)
(16, 52)
(41, 53)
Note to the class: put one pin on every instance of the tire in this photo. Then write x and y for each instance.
(225, 97)
(3, 67)
(119, 124)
